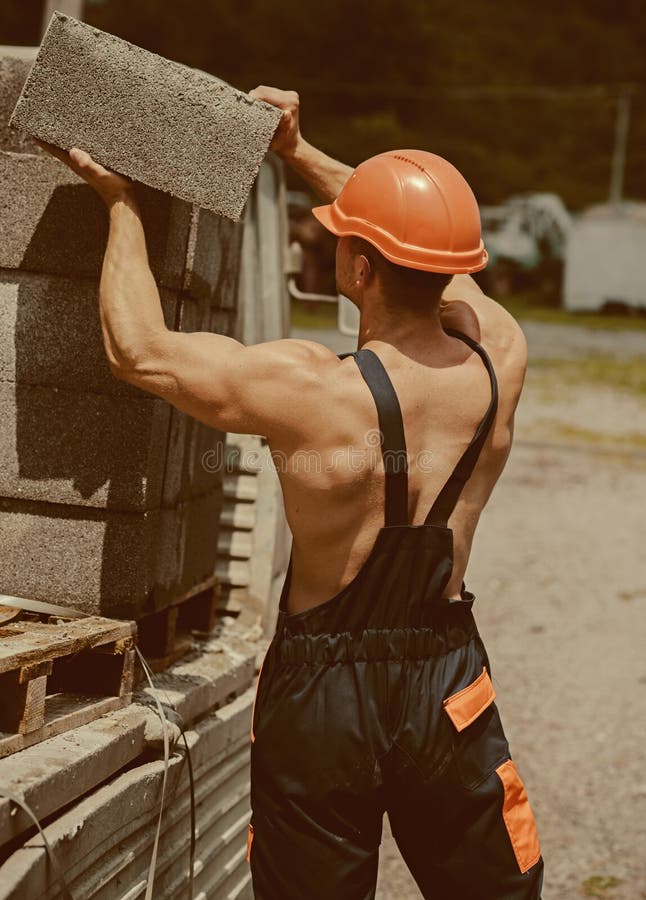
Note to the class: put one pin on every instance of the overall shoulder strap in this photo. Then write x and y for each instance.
(447, 498)
(392, 440)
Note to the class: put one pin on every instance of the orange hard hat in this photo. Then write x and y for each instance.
(415, 208)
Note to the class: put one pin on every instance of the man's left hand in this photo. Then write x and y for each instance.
(108, 184)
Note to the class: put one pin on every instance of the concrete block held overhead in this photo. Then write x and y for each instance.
(169, 126)
(51, 221)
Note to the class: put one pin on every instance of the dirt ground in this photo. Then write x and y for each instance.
(559, 572)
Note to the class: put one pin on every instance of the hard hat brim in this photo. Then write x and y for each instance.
(324, 215)
(329, 218)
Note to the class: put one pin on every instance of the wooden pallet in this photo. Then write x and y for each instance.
(58, 674)
(169, 634)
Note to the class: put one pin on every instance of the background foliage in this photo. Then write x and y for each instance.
(519, 95)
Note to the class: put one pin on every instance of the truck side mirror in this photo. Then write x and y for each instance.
(294, 259)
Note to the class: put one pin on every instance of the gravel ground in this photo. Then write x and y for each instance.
(559, 570)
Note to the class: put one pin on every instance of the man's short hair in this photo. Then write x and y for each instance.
(406, 283)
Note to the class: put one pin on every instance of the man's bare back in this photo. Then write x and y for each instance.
(332, 474)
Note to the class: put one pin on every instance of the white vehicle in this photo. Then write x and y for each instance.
(521, 235)
(605, 262)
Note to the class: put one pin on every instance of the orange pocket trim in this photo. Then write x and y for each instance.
(519, 818)
(249, 842)
(464, 707)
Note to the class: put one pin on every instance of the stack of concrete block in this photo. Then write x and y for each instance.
(104, 501)
(112, 501)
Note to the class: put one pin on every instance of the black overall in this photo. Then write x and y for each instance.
(379, 700)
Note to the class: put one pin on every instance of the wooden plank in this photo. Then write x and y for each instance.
(64, 675)
(168, 635)
(156, 633)
(34, 669)
(22, 643)
(198, 588)
(126, 684)
(33, 714)
(62, 713)
(120, 646)
(87, 672)
(181, 648)
(23, 704)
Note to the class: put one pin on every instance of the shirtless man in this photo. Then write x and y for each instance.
(375, 694)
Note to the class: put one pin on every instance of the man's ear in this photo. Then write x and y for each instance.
(364, 269)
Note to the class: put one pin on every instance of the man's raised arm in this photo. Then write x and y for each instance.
(267, 389)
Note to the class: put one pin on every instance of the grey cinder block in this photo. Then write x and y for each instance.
(51, 221)
(85, 449)
(50, 333)
(194, 460)
(15, 63)
(223, 321)
(212, 259)
(98, 561)
(106, 561)
(161, 123)
(187, 546)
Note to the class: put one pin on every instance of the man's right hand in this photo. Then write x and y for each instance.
(288, 134)
(323, 174)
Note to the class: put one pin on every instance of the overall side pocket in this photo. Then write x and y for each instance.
(479, 742)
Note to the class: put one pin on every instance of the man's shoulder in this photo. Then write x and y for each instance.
(467, 308)
(293, 354)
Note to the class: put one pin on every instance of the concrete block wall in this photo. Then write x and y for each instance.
(104, 502)
(113, 501)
